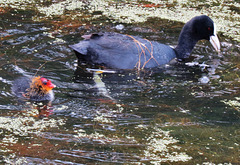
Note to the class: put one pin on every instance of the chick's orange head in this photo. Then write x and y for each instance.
(47, 84)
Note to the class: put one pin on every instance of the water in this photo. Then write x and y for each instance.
(177, 114)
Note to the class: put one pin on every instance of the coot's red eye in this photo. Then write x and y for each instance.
(209, 28)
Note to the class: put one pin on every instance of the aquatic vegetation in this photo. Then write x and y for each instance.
(18, 4)
(22, 126)
(61, 7)
(159, 147)
(233, 103)
(13, 128)
(221, 12)
(14, 159)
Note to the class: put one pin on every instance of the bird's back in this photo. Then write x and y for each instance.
(20, 86)
(121, 51)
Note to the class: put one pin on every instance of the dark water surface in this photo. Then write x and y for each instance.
(178, 114)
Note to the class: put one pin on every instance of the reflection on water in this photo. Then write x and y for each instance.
(98, 82)
(183, 113)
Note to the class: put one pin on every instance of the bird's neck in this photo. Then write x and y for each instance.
(186, 41)
(185, 45)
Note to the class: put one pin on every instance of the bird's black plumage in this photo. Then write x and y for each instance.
(121, 51)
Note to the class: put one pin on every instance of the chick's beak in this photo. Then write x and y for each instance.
(51, 85)
(215, 42)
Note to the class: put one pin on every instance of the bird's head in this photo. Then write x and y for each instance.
(42, 84)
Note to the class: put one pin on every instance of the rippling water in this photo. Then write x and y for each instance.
(177, 114)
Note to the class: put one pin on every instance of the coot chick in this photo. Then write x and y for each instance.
(121, 51)
(34, 89)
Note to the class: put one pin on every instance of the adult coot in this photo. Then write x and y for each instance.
(34, 89)
(127, 52)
